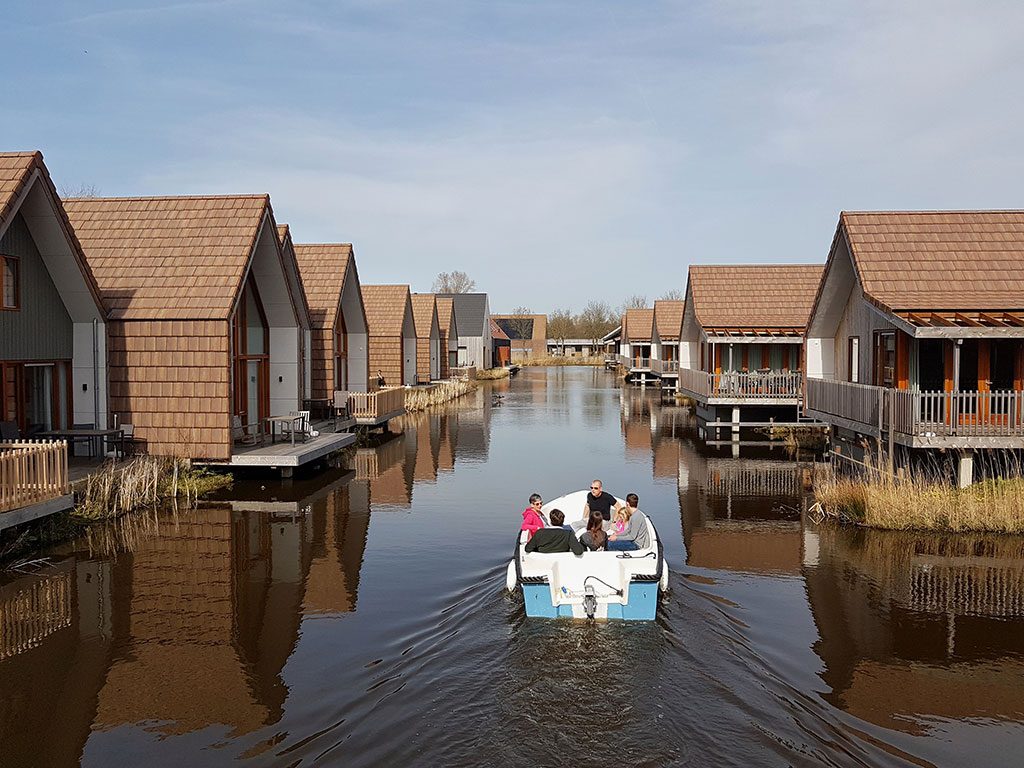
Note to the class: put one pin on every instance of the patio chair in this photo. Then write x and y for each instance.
(340, 406)
(302, 428)
(245, 434)
(94, 444)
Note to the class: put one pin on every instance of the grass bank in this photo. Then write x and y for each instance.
(490, 374)
(559, 360)
(421, 398)
(882, 500)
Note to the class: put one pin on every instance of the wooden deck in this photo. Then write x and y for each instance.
(373, 409)
(284, 455)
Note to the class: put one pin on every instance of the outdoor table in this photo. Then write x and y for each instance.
(282, 420)
(94, 436)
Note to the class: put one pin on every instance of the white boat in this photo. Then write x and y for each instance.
(595, 585)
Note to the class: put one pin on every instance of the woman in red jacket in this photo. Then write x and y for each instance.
(533, 518)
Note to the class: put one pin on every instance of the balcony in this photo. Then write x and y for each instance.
(371, 409)
(665, 367)
(768, 388)
(921, 419)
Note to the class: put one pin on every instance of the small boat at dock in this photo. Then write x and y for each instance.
(595, 585)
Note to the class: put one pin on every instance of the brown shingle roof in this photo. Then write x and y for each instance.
(935, 260)
(323, 267)
(385, 308)
(168, 257)
(668, 318)
(638, 324)
(16, 170)
(497, 333)
(755, 296)
(445, 307)
(423, 307)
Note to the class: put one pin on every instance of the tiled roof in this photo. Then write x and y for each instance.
(668, 318)
(497, 333)
(755, 296)
(16, 169)
(168, 258)
(298, 290)
(323, 267)
(638, 324)
(385, 308)
(445, 307)
(935, 260)
(423, 307)
(470, 312)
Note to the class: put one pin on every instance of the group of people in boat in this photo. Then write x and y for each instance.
(606, 525)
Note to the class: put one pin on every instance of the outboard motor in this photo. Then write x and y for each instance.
(589, 602)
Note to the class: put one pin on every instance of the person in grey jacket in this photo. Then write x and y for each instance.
(636, 535)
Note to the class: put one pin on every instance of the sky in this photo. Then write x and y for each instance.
(557, 151)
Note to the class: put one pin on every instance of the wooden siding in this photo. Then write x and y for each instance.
(386, 355)
(859, 320)
(323, 359)
(170, 379)
(41, 329)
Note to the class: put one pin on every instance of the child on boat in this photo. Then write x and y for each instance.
(595, 539)
(533, 518)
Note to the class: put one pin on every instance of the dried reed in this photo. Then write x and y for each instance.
(421, 398)
(493, 373)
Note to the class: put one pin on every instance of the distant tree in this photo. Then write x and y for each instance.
(453, 282)
(674, 295)
(78, 190)
(562, 326)
(635, 301)
(596, 319)
(518, 326)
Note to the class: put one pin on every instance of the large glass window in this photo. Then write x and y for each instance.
(38, 398)
(341, 354)
(251, 337)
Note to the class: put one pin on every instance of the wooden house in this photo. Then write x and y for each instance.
(53, 334)
(392, 330)
(428, 337)
(916, 337)
(305, 317)
(472, 316)
(205, 329)
(449, 331)
(667, 331)
(636, 344)
(741, 343)
(528, 334)
(501, 346)
(340, 336)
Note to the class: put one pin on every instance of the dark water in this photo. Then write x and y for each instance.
(359, 618)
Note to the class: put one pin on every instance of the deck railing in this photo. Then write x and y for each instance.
(736, 385)
(665, 367)
(463, 372)
(369, 407)
(29, 615)
(923, 414)
(32, 472)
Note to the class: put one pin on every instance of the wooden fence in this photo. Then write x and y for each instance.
(925, 414)
(32, 472)
(371, 407)
(743, 386)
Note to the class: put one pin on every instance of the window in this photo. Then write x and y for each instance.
(853, 359)
(885, 358)
(11, 288)
(341, 355)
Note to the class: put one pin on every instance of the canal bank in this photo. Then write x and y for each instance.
(319, 620)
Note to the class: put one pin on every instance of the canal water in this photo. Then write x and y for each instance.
(359, 617)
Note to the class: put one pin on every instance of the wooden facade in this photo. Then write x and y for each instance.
(339, 335)
(428, 337)
(449, 332)
(204, 322)
(392, 332)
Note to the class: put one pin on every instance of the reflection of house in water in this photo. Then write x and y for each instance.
(917, 626)
(189, 630)
(385, 468)
(741, 514)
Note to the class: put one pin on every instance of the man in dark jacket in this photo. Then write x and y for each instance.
(556, 539)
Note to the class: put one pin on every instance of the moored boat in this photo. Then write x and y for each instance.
(596, 585)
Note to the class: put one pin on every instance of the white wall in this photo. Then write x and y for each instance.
(83, 409)
(820, 357)
(284, 371)
(355, 325)
(409, 347)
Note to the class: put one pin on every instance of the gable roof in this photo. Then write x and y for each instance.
(754, 296)
(638, 325)
(298, 289)
(938, 260)
(445, 310)
(385, 308)
(668, 318)
(169, 257)
(424, 308)
(470, 312)
(497, 333)
(16, 172)
(323, 267)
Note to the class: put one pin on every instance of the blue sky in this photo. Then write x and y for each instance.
(556, 151)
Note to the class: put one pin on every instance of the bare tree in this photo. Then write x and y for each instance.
(596, 319)
(635, 301)
(562, 326)
(453, 282)
(78, 190)
(519, 326)
(673, 295)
